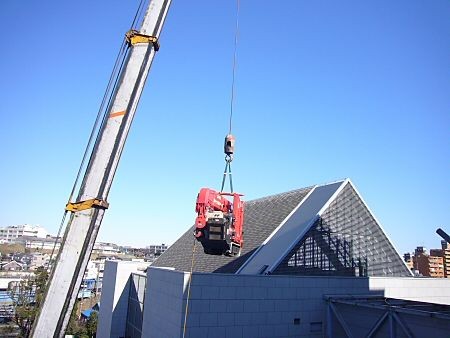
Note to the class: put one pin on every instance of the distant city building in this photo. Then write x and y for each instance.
(420, 250)
(429, 265)
(10, 233)
(126, 249)
(12, 266)
(22, 258)
(39, 260)
(435, 264)
(409, 261)
(47, 243)
(444, 252)
(446, 249)
(91, 271)
(106, 248)
(157, 249)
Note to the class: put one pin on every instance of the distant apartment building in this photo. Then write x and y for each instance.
(409, 261)
(106, 248)
(91, 271)
(446, 249)
(157, 249)
(10, 233)
(444, 252)
(47, 243)
(428, 265)
(39, 260)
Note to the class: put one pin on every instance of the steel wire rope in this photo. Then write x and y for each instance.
(227, 171)
(137, 15)
(228, 158)
(227, 165)
(114, 74)
(236, 34)
(102, 112)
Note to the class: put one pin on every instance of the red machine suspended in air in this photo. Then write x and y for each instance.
(219, 222)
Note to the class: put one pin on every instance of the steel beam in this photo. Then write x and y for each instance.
(341, 320)
(377, 325)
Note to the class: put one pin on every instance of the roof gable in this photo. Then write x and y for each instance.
(345, 239)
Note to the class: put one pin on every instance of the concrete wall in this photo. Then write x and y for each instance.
(114, 299)
(262, 306)
(432, 290)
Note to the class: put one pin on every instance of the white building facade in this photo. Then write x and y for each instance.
(10, 233)
(106, 248)
(157, 249)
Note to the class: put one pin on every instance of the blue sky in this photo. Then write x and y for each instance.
(324, 90)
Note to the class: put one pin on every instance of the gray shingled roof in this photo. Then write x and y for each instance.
(262, 217)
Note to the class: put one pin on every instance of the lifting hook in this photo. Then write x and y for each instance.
(228, 149)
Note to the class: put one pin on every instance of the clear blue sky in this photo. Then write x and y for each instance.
(324, 90)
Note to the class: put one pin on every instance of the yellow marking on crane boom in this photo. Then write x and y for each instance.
(119, 113)
(88, 204)
(134, 37)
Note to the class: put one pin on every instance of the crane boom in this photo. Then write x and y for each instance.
(88, 210)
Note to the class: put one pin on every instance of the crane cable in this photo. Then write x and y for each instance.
(228, 159)
(236, 34)
(229, 139)
(101, 116)
(116, 70)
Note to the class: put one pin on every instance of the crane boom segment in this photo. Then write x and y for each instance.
(83, 225)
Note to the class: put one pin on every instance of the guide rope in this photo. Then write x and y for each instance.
(229, 151)
(189, 288)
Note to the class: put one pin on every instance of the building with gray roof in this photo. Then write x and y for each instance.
(319, 230)
(300, 248)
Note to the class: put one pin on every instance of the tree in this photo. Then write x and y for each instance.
(75, 327)
(8, 248)
(91, 324)
(27, 296)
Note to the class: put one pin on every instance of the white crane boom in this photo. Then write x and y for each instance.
(88, 210)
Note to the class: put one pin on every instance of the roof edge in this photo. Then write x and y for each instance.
(276, 229)
(311, 222)
(379, 224)
(333, 197)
